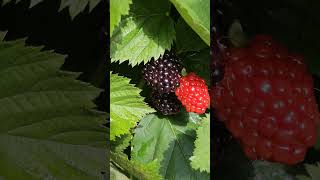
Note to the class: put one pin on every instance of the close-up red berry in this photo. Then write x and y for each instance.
(266, 101)
(193, 93)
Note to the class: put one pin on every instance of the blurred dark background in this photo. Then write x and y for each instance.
(295, 23)
(83, 39)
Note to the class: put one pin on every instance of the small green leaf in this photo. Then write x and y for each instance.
(118, 8)
(201, 154)
(146, 33)
(197, 14)
(169, 140)
(127, 107)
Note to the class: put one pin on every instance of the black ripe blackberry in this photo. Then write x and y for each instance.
(167, 104)
(163, 74)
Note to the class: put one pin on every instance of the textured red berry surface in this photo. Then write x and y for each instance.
(266, 101)
(193, 93)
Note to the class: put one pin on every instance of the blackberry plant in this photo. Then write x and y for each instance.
(153, 45)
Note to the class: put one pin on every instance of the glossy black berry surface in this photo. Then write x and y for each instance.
(167, 104)
(163, 74)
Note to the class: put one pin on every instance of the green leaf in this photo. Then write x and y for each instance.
(270, 171)
(146, 33)
(75, 6)
(121, 143)
(314, 172)
(49, 129)
(197, 14)
(201, 154)
(118, 8)
(169, 140)
(187, 39)
(199, 62)
(127, 107)
(141, 171)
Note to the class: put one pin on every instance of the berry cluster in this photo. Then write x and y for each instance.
(266, 100)
(163, 75)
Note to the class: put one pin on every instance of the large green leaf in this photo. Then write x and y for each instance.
(118, 8)
(147, 32)
(201, 155)
(127, 107)
(169, 140)
(187, 39)
(48, 127)
(75, 6)
(197, 14)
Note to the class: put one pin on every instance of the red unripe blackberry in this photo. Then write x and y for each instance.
(167, 104)
(163, 74)
(193, 93)
(266, 101)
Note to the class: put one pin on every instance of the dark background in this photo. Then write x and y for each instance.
(83, 39)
